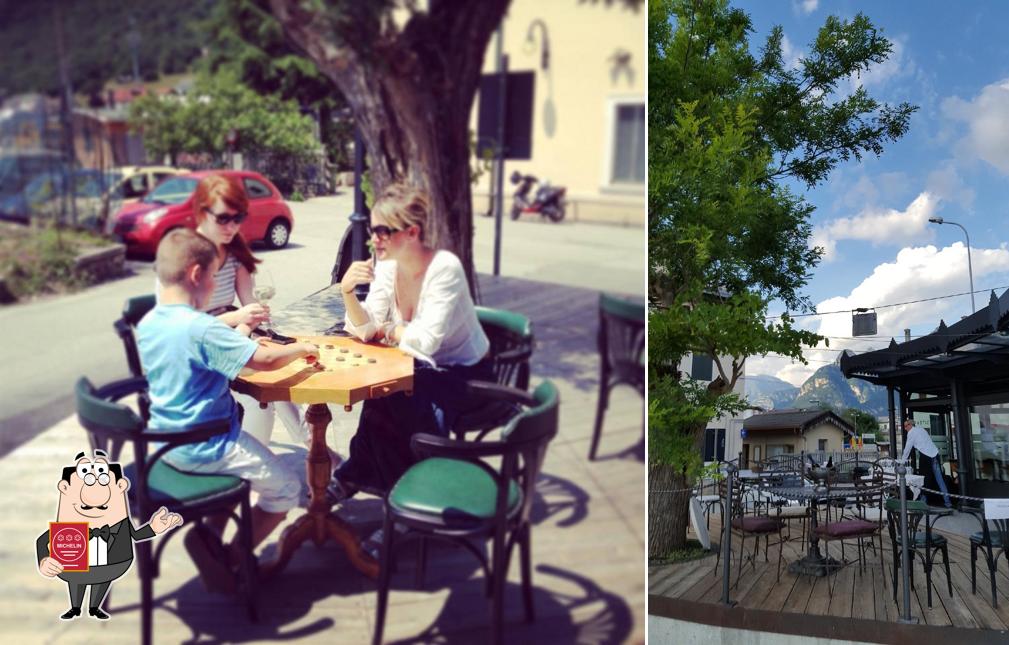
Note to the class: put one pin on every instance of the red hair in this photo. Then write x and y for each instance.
(228, 190)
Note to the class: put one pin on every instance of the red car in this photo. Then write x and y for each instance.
(141, 225)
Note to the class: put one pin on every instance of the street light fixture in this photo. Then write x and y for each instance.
(970, 270)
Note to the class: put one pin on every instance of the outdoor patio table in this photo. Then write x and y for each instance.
(348, 371)
(813, 563)
(914, 482)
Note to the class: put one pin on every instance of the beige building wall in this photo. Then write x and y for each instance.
(597, 64)
(828, 431)
(808, 442)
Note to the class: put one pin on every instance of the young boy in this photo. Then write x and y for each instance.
(189, 358)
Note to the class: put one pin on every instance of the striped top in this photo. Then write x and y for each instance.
(224, 284)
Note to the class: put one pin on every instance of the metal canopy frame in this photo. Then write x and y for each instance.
(961, 365)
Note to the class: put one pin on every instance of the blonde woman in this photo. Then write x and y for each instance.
(418, 300)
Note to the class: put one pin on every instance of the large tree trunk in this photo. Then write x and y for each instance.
(411, 91)
(667, 512)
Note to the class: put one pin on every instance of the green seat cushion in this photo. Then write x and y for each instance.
(451, 489)
(170, 486)
(978, 538)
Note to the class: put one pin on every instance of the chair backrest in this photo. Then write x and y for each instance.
(528, 435)
(622, 339)
(345, 254)
(511, 345)
(110, 424)
(133, 310)
(993, 532)
(917, 510)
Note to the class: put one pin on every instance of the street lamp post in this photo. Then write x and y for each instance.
(970, 269)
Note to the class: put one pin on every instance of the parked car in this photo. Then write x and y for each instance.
(96, 193)
(131, 183)
(142, 224)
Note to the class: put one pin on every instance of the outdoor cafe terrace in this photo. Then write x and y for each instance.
(850, 605)
(587, 538)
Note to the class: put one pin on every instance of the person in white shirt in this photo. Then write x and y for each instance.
(918, 438)
(419, 300)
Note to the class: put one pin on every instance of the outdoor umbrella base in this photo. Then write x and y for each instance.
(815, 565)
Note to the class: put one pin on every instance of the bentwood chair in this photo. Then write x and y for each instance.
(511, 346)
(855, 524)
(621, 353)
(133, 310)
(747, 524)
(923, 543)
(993, 542)
(154, 483)
(454, 494)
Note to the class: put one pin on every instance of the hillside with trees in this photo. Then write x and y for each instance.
(97, 39)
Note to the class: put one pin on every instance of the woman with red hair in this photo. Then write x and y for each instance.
(220, 206)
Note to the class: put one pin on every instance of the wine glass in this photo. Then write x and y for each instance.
(264, 291)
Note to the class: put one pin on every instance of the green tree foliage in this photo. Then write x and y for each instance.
(864, 422)
(96, 42)
(729, 132)
(200, 122)
(243, 37)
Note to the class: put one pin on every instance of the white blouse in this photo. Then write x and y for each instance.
(444, 329)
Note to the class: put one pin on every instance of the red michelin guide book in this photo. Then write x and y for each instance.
(68, 543)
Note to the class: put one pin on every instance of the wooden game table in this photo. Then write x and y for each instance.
(348, 371)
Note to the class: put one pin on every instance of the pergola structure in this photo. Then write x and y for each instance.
(946, 372)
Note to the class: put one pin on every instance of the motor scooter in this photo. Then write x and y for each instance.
(547, 200)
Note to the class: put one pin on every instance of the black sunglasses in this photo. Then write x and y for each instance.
(224, 219)
(382, 231)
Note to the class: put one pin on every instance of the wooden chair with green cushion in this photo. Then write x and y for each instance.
(925, 543)
(993, 542)
(453, 494)
(511, 346)
(621, 352)
(154, 484)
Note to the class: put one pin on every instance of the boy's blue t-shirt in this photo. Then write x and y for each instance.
(189, 358)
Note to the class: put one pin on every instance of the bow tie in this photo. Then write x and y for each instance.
(105, 532)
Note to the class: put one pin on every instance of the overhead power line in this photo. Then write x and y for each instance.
(895, 304)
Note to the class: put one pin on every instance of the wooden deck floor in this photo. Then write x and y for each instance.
(849, 593)
(588, 537)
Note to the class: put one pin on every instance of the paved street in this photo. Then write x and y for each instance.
(50, 343)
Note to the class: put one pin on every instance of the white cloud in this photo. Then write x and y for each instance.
(946, 184)
(987, 128)
(914, 274)
(898, 64)
(789, 54)
(878, 226)
(805, 7)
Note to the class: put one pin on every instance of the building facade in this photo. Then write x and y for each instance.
(785, 432)
(723, 436)
(588, 126)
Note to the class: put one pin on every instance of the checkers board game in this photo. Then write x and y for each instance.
(347, 371)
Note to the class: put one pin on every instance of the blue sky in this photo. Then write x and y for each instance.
(951, 60)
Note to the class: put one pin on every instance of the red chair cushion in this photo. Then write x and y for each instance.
(846, 528)
(756, 524)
